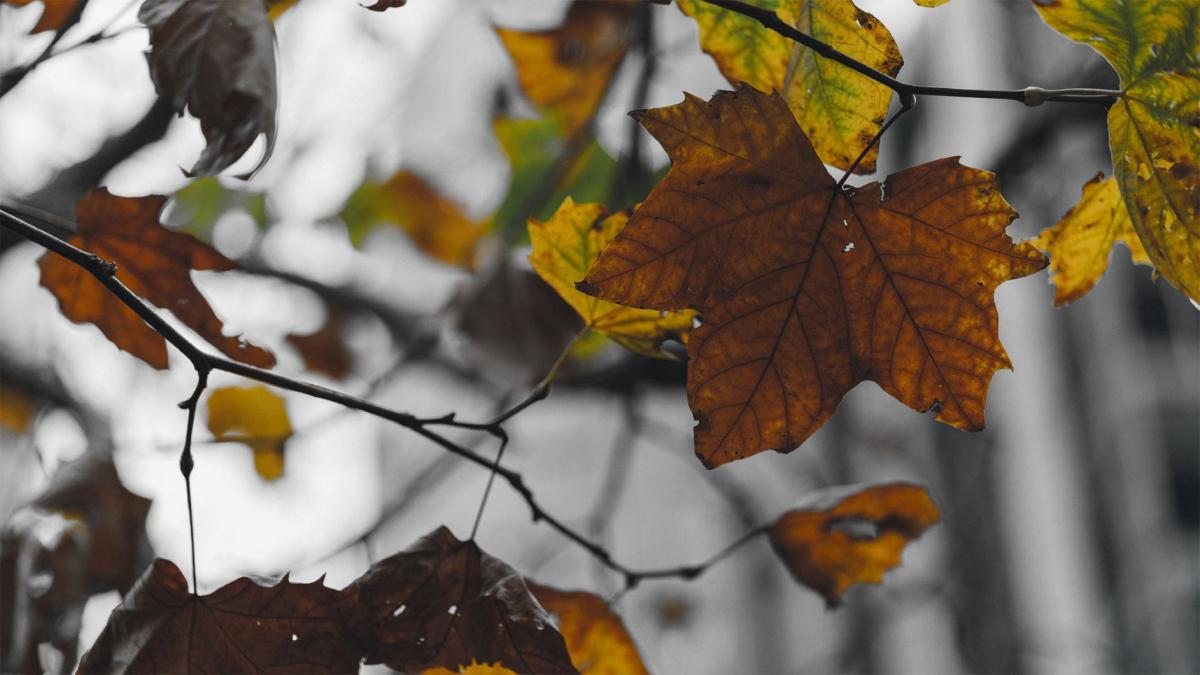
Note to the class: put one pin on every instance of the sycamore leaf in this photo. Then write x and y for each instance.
(851, 537)
(84, 534)
(839, 109)
(241, 628)
(435, 224)
(217, 59)
(153, 262)
(325, 351)
(565, 246)
(596, 637)
(567, 70)
(1080, 243)
(443, 602)
(1153, 128)
(806, 290)
(16, 409)
(254, 416)
(55, 13)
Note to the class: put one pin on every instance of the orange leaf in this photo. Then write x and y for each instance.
(153, 262)
(806, 290)
(54, 14)
(596, 637)
(325, 351)
(443, 602)
(241, 628)
(851, 539)
(16, 409)
(568, 69)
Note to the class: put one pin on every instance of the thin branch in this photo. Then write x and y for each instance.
(906, 103)
(105, 273)
(1030, 96)
(187, 463)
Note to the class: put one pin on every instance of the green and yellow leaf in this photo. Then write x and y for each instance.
(565, 246)
(1154, 127)
(839, 109)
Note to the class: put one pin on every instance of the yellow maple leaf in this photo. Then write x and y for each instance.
(565, 246)
(256, 417)
(1080, 242)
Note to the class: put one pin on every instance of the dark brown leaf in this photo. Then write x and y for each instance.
(217, 59)
(443, 602)
(241, 628)
(153, 262)
(325, 351)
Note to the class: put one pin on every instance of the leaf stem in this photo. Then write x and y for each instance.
(187, 463)
(105, 273)
(1030, 96)
(906, 103)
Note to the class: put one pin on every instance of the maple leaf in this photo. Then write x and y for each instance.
(1152, 128)
(565, 246)
(153, 262)
(568, 70)
(595, 635)
(1080, 242)
(254, 416)
(242, 627)
(443, 602)
(436, 225)
(217, 59)
(849, 536)
(806, 290)
(55, 13)
(325, 351)
(839, 109)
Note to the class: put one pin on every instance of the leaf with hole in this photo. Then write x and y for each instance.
(806, 289)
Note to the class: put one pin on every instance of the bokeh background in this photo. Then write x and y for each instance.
(1071, 532)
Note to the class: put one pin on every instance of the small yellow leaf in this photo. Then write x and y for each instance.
(256, 417)
(473, 669)
(596, 637)
(1080, 242)
(16, 409)
(278, 7)
(565, 246)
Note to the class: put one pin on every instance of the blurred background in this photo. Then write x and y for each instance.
(1070, 539)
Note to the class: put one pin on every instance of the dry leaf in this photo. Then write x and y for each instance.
(443, 602)
(16, 409)
(844, 539)
(153, 262)
(325, 351)
(806, 290)
(55, 13)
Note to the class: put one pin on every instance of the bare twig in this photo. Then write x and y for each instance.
(203, 362)
(1030, 96)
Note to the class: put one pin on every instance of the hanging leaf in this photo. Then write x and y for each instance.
(443, 602)
(217, 59)
(1080, 243)
(153, 262)
(565, 246)
(851, 536)
(596, 637)
(805, 289)
(1152, 128)
(839, 109)
(241, 628)
(254, 416)
(436, 225)
(567, 70)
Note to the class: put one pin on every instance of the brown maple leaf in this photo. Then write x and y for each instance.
(806, 289)
(240, 628)
(443, 602)
(153, 262)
